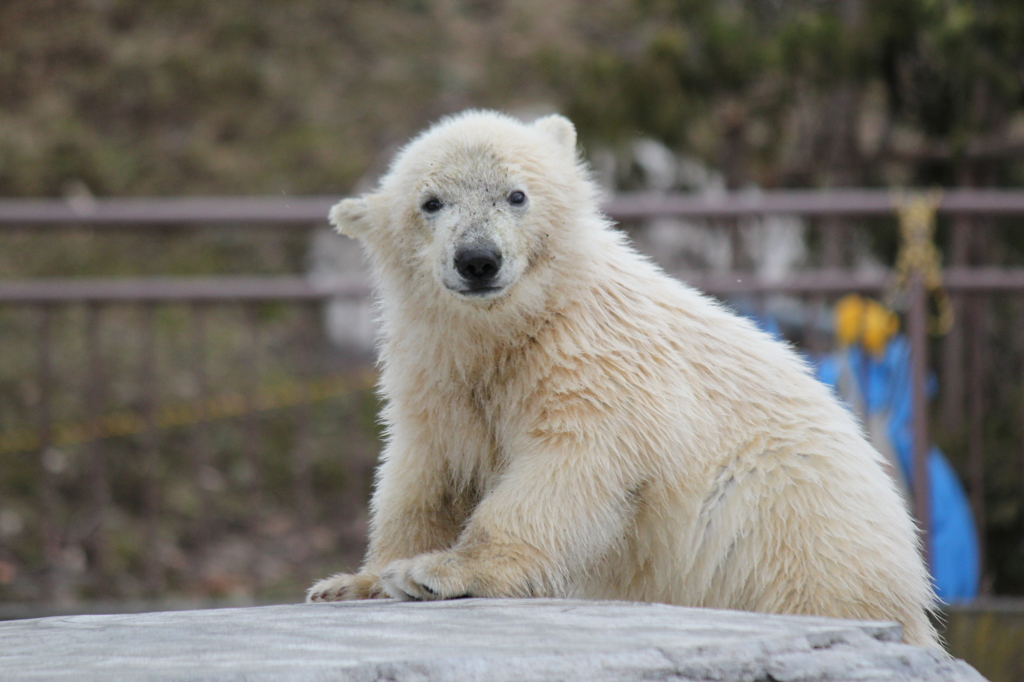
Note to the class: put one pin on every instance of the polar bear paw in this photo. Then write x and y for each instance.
(345, 587)
(427, 577)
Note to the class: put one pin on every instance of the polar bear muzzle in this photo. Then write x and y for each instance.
(478, 265)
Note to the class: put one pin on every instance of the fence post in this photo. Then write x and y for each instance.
(953, 348)
(202, 457)
(153, 561)
(976, 418)
(919, 274)
(96, 398)
(1021, 433)
(918, 331)
(253, 447)
(47, 490)
(302, 471)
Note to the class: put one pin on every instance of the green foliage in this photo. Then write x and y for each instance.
(705, 76)
(241, 96)
(251, 97)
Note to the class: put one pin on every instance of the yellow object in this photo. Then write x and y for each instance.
(918, 254)
(866, 322)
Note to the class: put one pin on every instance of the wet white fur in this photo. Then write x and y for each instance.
(598, 429)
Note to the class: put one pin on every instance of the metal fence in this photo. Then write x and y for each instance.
(106, 320)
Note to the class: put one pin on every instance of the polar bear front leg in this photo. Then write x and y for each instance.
(552, 516)
(514, 569)
(412, 511)
(345, 587)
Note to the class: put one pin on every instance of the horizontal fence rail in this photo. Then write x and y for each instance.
(810, 203)
(156, 289)
(180, 289)
(627, 206)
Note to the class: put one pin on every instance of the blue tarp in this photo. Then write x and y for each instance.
(885, 388)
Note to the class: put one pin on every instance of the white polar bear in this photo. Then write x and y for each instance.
(565, 420)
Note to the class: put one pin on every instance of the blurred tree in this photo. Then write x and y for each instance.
(816, 93)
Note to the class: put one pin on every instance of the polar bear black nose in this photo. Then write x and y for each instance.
(478, 266)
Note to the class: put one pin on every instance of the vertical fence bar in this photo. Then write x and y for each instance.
(302, 474)
(96, 398)
(952, 380)
(806, 322)
(975, 437)
(918, 330)
(832, 238)
(736, 250)
(816, 342)
(252, 442)
(814, 305)
(302, 470)
(47, 490)
(202, 459)
(153, 566)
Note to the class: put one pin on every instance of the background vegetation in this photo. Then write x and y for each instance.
(241, 96)
(172, 97)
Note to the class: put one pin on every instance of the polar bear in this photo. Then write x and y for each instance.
(566, 420)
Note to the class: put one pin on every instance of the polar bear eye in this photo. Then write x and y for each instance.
(432, 205)
(517, 198)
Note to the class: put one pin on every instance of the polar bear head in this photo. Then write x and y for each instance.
(475, 208)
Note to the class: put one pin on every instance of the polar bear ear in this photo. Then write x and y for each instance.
(352, 217)
(560, 129)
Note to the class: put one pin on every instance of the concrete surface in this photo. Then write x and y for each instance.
(470, 639)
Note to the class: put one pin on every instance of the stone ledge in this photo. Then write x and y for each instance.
(469, 639)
